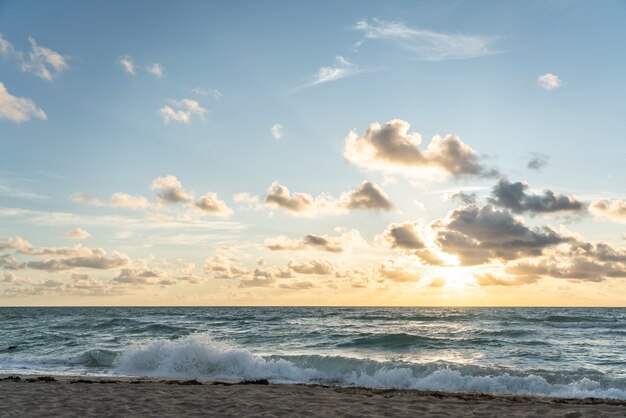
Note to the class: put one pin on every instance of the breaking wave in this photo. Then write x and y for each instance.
(200, 356)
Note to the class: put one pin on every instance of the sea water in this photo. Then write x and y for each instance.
(564, 352)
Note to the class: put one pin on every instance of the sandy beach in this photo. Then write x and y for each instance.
(25, 396)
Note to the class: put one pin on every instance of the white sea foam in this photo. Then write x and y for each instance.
(200, 356)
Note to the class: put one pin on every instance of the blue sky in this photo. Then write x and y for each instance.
(319, 70)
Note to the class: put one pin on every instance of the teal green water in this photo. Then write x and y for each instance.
(541, 351)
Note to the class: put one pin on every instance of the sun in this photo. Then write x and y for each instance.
(457, 278)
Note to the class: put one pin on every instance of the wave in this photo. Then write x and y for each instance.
(519, 332)
(574, 318)
(410, 318)
(200, 356)
(404, 341)
(96, 358)
(397, 341)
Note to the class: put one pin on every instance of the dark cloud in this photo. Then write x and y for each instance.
(297, 285)
(170, 190)
(283, 272)
(191, 278)
(81, 257)
(317, 241)
(355, 278)
(308, 242)
(259, 278)
(477, 235)
(279, 196)
(484, 235)
(465, 197)
(224, 268)
(10, 263)
(137, 276)
(537, 161)
(79, 285)
(212, 204)
(404, 236)
(311, 242)
(312, 267)
(368, 196)
(408, 237)
(514, 196)
(17, 244)
(578, 260)
(574, 268)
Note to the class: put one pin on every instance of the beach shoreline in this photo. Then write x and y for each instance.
(82, 395)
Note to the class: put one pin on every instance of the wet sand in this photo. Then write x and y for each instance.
(86, 396)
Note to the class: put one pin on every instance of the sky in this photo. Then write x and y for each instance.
(422, 153)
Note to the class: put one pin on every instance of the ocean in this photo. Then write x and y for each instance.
(563, 352)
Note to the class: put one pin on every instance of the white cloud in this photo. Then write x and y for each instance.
(212, 204)
(221, 267)
(398, 273)
(610, 209)
(147, 222)
(6, 48)
(170, 190)
(63, 259)
(311, 242)
(19, 193)
(182, 111)
(391, 148)
(80, 197)
(425, 44)
(341, 69)
(155, 69)
(17, 244)
(191, 278)
(549, 81)
(277, 130)
(77, 233)
(124, 200)
(199, 91)
(40, 61)
(43, 62)
(121, 200)
(318, 267)
(18, 109)
(248, 201)
(215, 93)
(127, 64)
(9, 278)
(366, 196)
